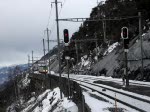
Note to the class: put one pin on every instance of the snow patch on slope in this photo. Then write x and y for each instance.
(24, 82)
(50, 101)
(111, 48)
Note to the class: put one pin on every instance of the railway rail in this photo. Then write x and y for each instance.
(131, 83)
(115, 80)
(135, 101)
(132, 100)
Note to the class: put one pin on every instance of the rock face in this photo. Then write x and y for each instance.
(115, 59)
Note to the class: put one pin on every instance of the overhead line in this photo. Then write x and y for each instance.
(50, 13)
(54, 24)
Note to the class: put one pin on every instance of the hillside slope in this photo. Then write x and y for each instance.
(114, 61)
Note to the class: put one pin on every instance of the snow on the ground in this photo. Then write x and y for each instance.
(42, 95)
(102, 106)
(50, 101)
(11, 108)
(95, 104)
(66, 106)
(25, 82)
(111, 48)
(84, 61)
(33, 102)
(119, 79)
(116, 80)
(87, 78)
(52, 72)
(124, 98)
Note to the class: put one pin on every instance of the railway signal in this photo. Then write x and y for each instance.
(66, 36)
(124, 32)
(124, 35)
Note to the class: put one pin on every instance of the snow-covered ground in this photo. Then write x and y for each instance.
(103, 106)
(50, 101)
(111, 48)
(88, 79)
(129, 100)
(24, 82)
(94, 104)
(116, 80)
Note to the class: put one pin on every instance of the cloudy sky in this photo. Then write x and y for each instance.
(22, 25)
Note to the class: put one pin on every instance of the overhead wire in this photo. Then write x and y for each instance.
(54, 23)
(49, 17)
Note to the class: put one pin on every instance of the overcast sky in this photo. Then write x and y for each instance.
(22, 25)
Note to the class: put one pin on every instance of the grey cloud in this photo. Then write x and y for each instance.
(22, 25)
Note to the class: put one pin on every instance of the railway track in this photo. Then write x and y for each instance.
(115, 80)
(132, 100)
(135, 101)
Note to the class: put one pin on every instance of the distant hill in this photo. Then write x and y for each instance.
(5, 72)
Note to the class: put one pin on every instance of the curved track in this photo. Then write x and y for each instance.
(115, 80)
(132, 100)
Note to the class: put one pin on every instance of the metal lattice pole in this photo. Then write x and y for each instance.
(57, 22)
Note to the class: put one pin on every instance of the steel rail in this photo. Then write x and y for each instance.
(119, 92)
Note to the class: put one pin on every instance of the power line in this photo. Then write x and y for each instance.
(54, 24)
(62, 6)
(50, 13)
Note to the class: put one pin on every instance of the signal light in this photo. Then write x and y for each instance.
(66, 36)
(124, 33)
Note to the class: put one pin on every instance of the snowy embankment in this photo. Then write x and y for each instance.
(50, 101)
